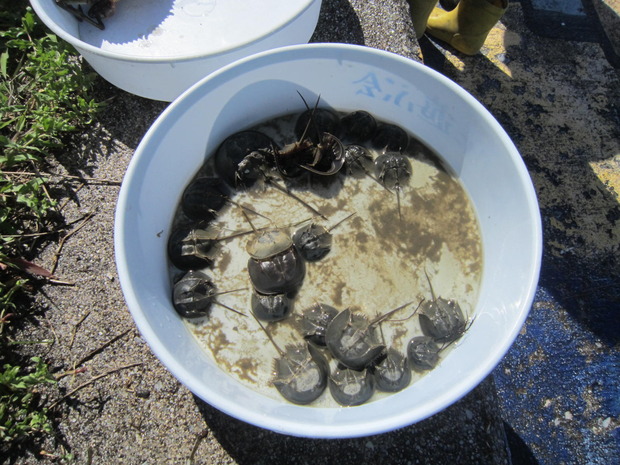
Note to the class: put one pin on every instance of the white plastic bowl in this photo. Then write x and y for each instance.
(348, 78)
(159, 48)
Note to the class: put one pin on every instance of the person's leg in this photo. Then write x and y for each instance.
(467, 26)
(420, 11)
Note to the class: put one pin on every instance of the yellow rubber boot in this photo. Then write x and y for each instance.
(467, 26)
(420, 10)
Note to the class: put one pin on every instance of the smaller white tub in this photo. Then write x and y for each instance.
(159, 48)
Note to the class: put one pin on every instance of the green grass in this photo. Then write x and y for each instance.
(44, 95)
(18, 416)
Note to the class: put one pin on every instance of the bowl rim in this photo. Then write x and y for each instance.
(291, 426)
(85, 46)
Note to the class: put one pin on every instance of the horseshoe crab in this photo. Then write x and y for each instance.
(98, 10)
(423, 353)
(235, 149)
(442, 319)
(392, 170)
(392, 374)
(189, 248)
(357, 160)
(203, 198)
(389, 137)
(194, 294)
(319, 119)
(352, 339)
(314, 321)
(275, 266)
(300, 373)
(317, 148)
(351, 387)
(314, 241)
(358, 126)
(271, 307)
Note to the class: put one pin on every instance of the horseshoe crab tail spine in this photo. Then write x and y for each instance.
(413, 314)
(280, 351)
(341, 221)
(247, 218)
(293, 196)
(311, 119)
(216, 302)
(381, 318)
(430, 285)
(246, 208)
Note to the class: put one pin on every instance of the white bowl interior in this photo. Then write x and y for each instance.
(159, 48)
(178, 29)
(347, 77)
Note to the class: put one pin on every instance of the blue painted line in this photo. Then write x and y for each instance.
(559, 388)
(562, 19)
(565, 7)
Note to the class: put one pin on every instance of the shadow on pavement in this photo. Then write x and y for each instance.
(469, 429)
(340, 23)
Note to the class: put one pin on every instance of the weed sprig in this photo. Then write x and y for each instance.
(19, 415)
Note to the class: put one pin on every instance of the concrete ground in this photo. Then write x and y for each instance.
(555, 397)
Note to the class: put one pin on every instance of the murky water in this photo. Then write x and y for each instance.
(377, 262)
